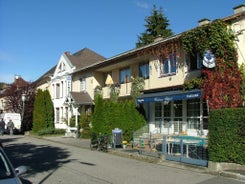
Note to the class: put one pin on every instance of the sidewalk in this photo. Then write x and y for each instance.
(146, 156)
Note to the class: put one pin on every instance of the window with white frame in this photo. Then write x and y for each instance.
(62, 89)
(144, 70)
(57, 115)
(169, 64)
(53, 91)
(61, 67)
(125, 75)
(57, 90)
(82, 84)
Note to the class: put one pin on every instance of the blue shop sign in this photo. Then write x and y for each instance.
(169, 96)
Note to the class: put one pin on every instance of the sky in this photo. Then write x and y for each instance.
(35, 33)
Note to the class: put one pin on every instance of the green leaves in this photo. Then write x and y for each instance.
(215, 36)
(226, 135)
(156, 25)
(222, 85)
(109, 115)
(43, 113)
(194, 83)
(138, 84)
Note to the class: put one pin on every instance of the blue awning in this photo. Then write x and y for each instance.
(169, 96)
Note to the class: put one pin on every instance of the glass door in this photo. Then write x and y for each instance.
(178, 116)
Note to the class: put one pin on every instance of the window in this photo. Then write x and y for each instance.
(66, 113)
(61, 67)
(193, 114)
(125, 75)
(57, 90)
(5, 169)
(167, 114)
(144, 70)
(194, 62)
(169, 64)
(158, 114)
(82, 84)
(62, 89)
(205, 116)
(178, 116)
(57, 115)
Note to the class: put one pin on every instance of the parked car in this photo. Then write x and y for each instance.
(1, 145)
(9, 175)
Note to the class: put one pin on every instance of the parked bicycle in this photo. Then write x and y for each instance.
(99, 143)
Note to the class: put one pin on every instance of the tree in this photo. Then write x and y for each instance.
(85, 121)
(14, 103)
(43, 111)
(222, 86)
(138, 85)
(156, 25)
(49, 109)
(109, 115)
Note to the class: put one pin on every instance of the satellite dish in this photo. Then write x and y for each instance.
(208, 59)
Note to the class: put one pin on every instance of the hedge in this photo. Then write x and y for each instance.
(227, 135)
(109, 115)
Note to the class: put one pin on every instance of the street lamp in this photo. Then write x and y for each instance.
(23, 98)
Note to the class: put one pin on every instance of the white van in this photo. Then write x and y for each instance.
(15, 117)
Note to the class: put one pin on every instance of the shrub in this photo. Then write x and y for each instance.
(109, 115)
(226, 135)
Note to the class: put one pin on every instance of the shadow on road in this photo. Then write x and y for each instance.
(41, 158)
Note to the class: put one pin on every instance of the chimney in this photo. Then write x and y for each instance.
(158, 38)
(239, 9)
(203, 22)
(16, 77)
(67, 53)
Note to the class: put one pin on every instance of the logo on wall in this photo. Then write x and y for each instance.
(208, 59)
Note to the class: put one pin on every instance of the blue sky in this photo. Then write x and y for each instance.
(35, 33)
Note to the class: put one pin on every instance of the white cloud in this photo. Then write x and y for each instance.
(143, 5)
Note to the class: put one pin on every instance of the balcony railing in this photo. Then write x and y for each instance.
(125, 90)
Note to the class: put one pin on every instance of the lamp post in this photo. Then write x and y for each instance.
(76, 121)
(23, 98)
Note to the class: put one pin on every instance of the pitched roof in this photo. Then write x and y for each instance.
(19, 82)
(81, 98)
(45, 77)
(84, 58)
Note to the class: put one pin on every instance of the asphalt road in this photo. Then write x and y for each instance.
(55, 163)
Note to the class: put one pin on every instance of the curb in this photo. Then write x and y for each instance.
(233, 175)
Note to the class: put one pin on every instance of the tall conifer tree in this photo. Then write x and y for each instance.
(43, 113)
(156, 25)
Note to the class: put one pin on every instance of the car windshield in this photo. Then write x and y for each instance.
(5, 168)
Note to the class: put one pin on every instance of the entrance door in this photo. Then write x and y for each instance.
(178, 113)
